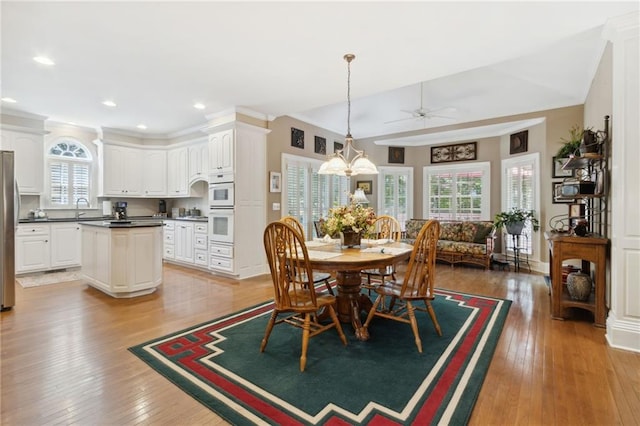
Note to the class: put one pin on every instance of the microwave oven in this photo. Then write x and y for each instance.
(221, 195)
(221, 225)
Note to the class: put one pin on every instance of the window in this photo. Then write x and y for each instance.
(307, 195)
(69, 173)
(395, 190)
(457, 192)
(520, 183)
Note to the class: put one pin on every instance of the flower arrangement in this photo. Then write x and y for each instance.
(353, 217)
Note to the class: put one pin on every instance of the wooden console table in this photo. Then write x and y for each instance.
(591, 250)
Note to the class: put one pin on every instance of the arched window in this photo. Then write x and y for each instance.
(69, 173)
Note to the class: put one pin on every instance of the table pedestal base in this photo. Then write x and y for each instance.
(351, 303)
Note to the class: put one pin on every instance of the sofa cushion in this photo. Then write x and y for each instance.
(461, 247)
(413, 227)
(450, 231)
(467, 232)
(483, 229)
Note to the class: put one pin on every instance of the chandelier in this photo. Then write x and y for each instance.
(338, 163)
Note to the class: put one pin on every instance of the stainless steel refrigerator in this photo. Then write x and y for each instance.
(9, 209)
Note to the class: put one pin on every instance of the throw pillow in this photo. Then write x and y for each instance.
(482, 232)
(467, 232)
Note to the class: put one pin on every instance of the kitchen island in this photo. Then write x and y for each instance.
(122, 258)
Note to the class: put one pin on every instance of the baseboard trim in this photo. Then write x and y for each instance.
(623, 334)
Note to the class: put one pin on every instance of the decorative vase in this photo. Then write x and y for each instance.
(515, 228)
(350, 238)
(579, 286)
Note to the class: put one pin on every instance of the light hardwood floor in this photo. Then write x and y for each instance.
(65, 359)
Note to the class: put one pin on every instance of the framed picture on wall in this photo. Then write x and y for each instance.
(275, 182)
(337, 146)
(320, 146)
(556, 168)
(518, 142)
(396, 154)
(557, 199)
(297, 138)
(365, 185)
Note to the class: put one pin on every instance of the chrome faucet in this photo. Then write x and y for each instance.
(78, 213)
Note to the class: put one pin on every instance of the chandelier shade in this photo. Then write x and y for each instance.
(339, 163)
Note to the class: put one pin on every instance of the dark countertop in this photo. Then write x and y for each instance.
(123, 223)
(107, 218)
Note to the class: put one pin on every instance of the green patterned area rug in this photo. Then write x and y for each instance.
(382, 381)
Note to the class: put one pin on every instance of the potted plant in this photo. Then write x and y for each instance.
(571, 145)
(515, 219)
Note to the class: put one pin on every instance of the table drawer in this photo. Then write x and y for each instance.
(168, 252)
(169, 237)
(169, 225)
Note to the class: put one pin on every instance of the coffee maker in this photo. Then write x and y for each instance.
(121, 210)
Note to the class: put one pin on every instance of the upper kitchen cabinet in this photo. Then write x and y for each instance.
(178, 172)
(221, 150)
(199, 162)
(122, 171)
(28, 146)
(154, 173)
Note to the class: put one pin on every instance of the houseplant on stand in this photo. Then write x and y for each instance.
(515, 220)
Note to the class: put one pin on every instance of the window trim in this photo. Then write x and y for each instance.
(51, 158)
(484, 167)
(534, 160)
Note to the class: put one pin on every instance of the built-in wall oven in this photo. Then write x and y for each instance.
(221, 195)
(221, 225)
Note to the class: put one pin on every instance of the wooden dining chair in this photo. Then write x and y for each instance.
(318, 277)
(386, 227)
(293, 296)
(417, 285)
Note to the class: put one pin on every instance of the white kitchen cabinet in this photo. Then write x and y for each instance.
(66, 243)
(122, 262)
(199, 161)
(33, 248)
(168, 240)
(44, 246)
(154, 173)
(183, 244)
(178, 172)
(29, 159)
(122, 171)
(239, 149)
(221, 152)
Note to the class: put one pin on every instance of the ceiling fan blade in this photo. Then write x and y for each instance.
(401, 119)
(438, 116)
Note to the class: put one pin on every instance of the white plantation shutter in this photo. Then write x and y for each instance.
(457, 192)
(308, 196)
(69, 174)
(395, 185)
(519, 190)
(59, 179)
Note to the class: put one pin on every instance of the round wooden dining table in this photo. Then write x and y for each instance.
(347, 264)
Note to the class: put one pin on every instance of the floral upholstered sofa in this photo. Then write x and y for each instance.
(460, 241)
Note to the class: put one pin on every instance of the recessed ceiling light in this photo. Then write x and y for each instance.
(9, 100)
(43, 60)
(141, 127)
(198, 105)
(109, 103)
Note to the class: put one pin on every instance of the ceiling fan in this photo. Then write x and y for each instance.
(422, 113)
